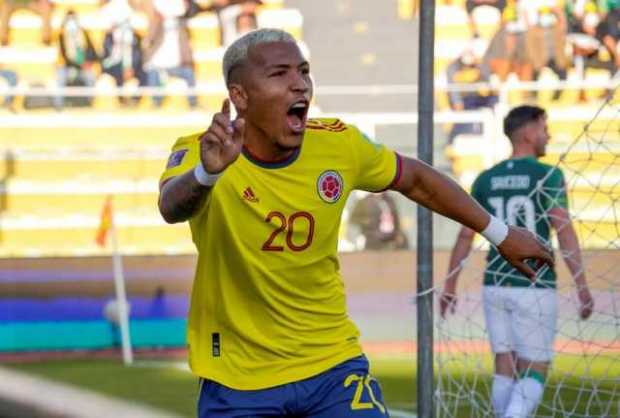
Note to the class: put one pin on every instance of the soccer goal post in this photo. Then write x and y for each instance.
(425, 375)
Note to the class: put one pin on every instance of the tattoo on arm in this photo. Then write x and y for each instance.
(180, 197)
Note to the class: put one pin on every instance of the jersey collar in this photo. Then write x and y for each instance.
(271, 164)
(525, 158)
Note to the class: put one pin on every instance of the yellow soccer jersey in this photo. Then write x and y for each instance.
(268, 303)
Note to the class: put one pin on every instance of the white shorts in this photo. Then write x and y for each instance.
(521, 319)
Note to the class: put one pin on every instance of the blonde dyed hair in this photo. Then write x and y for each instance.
(237, 52)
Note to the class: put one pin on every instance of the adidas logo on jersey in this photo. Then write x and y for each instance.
(248, 194)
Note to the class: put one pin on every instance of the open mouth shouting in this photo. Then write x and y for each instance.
(297, 115)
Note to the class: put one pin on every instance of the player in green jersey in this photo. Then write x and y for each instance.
(521, 315)
(268, 330)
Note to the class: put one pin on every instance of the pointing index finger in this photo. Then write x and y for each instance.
(239, 130)
(226, 108)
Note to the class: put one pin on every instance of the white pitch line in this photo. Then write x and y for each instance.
(23, 395)
(180, 365)
(396, 413)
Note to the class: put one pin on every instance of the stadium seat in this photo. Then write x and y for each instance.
(76, 237)
(289, 20)
(451, 22)
(54, 208)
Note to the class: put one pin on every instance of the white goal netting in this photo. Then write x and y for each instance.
(584, 380)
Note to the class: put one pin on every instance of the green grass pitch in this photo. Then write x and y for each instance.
(162, 385)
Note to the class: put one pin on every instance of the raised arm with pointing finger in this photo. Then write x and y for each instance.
(220, 146)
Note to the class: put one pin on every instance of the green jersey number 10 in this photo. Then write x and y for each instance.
(513, 208)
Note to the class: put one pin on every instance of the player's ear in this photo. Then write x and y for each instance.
(527, 133)
(238, 96)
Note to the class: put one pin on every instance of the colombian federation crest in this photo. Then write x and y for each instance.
(330, 186)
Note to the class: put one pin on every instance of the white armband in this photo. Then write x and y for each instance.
(205, 178)
(496, 231)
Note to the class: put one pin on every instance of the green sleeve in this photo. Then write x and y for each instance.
(555, 190)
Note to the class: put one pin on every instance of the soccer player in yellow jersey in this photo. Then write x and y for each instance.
(268, 330)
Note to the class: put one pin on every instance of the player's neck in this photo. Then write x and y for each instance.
(522, 153)
(265, 151)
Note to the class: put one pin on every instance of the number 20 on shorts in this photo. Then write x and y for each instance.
(363, 382)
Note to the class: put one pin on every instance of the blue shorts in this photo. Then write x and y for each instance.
(347, 390)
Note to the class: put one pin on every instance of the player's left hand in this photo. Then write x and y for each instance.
(221, 144)
(586, 302)
(447, 303)
(521, 245)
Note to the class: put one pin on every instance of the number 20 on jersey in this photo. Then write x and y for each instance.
(284, 235)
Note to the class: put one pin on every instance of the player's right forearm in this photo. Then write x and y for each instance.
(181, 197)
(569, 243)
(571, 253)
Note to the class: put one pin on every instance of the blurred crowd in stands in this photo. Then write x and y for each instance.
(150, 58)
(532, 35)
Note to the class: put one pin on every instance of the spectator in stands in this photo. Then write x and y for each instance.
(608, 31)
(113, 11)
(227, 13)
(167, 47)
(78, 57)
(507, 50)
(546, 37)
(121, 5)
(41, 7)
(377, 218)
(245, 22)
(11, 80)
(583, 18)
(122, 55)
(467, 68)
(470, 5)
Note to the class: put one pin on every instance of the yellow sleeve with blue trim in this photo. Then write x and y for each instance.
(184, 156)
(378, 167)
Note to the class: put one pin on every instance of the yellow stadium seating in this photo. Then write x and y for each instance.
(90, 168)
(98, 133)
(74, 240)
(204, 32)
(597, 233)
(58, 203)
(79, 6)
(57, 179)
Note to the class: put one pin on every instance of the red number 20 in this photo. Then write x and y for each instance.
(288, 226)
